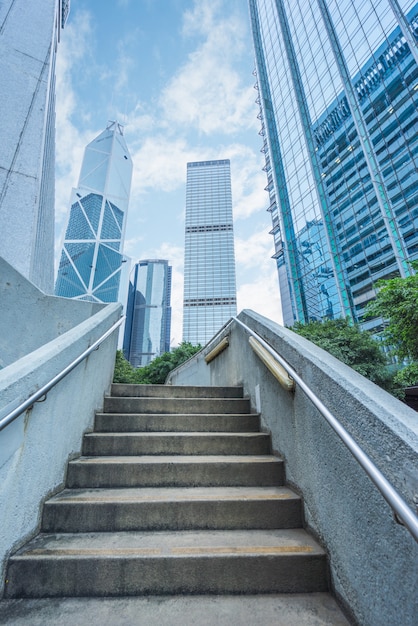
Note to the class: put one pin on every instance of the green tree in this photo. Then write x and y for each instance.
(406, 377)
(397, 303)
(350, 345)
(124, 372)
(157, 371)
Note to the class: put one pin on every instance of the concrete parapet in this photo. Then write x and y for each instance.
(35, 448)
(373, 559)
(29, 318)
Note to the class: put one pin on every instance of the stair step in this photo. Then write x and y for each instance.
(280, 609)
(176, 405)
(177, 492)
(175, 471)
(117, 444)
(168, 391)
(123, 564)
(103, 510)
(180, 422)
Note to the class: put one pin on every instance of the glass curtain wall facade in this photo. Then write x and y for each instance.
(148, 313)
(209, 260)
(338, 95)
(27, 135)
(91, 258)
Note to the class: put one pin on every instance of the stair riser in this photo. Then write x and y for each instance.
(176, 405)
(167, 391)
(115, 576)
(105, 517)
(101, 474)
(189, 445)
(106, 422)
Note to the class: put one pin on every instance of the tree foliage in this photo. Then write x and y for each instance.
(350, 345)
(157, 371)
(397, 303)
(406, 377)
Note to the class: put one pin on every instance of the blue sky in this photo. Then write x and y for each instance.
(178, 75)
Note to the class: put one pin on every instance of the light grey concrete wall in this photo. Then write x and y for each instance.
(28, 43)
(35, 448)
(373, 560)
(29, 318)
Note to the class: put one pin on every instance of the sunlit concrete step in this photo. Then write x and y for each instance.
(176, 405)
(168, 391)
(131, 422)
(175, 471)
(100, 510)
(123, 564)
(96, 444)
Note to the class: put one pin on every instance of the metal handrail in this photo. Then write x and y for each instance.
(402, 511)
(23, 406)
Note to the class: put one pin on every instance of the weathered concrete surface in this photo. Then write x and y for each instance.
(28, 45)
(97, 444)
(175, 471)
(160, 422)
(373, 560)
(281, 610)
(95, 510)
(176, 405)
(35, 448)
(167, 562)
(162, 391)
(29, 319)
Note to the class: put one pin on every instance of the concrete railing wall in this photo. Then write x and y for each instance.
(373, 560)
(29, 318)
(35, 448)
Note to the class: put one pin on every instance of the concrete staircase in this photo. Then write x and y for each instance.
(177, 492)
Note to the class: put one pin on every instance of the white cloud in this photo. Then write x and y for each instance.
(207, 92)
(249, 251)
(159, 163)
(248, 181)
(257, 282)
(261, 296)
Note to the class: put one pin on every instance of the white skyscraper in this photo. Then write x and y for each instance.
(209, 261)
(29, 35)
(91, 258)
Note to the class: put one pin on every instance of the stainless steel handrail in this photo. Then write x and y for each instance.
(401, 509)
(23, 406)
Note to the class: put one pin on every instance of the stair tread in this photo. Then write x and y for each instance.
(180, 458)
(135, 404)
(177, 415)
(186, 543)
(189, 391)
(284, 609)
(171, 494)
(186, 433)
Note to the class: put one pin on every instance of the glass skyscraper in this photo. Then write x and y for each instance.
(91, 258)
(148, 313)
(338, 94)
(209, 260)
(30, 33)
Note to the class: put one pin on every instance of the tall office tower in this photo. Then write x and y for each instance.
(338, 94)
(209, 262)
(91, 258)
(148, 313)
(30, 32)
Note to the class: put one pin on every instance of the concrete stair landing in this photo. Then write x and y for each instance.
(176, 492)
